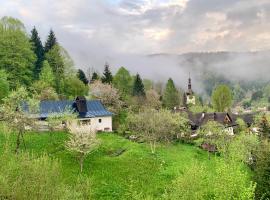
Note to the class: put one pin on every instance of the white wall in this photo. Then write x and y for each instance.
(104, 125)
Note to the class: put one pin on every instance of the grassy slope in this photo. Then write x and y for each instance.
(135, 171)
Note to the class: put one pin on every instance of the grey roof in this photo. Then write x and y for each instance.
(94, 108)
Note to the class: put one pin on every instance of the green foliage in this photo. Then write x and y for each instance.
(229, 181)
(199, 108)
(73, 87)
(257, 95)
(171, 97)
(27, 176)
(107, 75)
(138, 87)
(193, 184)
(50, 42)
(238, 93)
(241, 148)
(13, 113)
(222, 98)
(81, 75)
(82, 141)
(4, 85)
(46, 74)
(148, 84)
(262, 170)
(153, 125)
(94, 77)
(56, 62)
(136, 173)
(39, 51)
(213, 133)
(123, 82)
(16, 55)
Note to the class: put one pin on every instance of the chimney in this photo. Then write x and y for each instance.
(81, 104)
(215, 116)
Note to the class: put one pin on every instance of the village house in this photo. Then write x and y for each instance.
(197, 120)
(89, 112)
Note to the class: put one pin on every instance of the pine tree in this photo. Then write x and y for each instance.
(107, 75)
(81, 75)
(94, 77)
(138, 87)
(171, 95)
(39, 51)
(51, 41)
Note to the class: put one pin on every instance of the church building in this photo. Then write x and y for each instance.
(189, 97)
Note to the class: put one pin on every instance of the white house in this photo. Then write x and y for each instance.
(90, 112)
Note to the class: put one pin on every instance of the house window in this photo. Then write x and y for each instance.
(99, 120)
(86, 122)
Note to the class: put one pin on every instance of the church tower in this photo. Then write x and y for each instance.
(189, 97)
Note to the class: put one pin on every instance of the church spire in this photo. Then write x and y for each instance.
(189, 85)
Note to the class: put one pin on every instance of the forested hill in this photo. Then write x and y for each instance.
(249, 69)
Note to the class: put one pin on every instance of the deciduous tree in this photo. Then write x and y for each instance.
(123, 82)
(82, 141)
(222, 98)
(171, 97)
(16, 55)
(153, 125)
(108, 95)
(14, 112)
(56, 62)
(4, 85)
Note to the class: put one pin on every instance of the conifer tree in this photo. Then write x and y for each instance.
(81, 75)
(51, 41)
(39, 51)
(95, 77)
(107, 75)
(171, 95)
(138, 87)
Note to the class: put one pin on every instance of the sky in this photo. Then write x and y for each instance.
(122, 31)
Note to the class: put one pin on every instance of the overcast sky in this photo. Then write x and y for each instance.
(95, 31)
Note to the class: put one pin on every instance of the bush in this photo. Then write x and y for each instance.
(23, 176)
(229, 181)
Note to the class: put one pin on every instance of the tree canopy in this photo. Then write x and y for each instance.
(39, 51)
(107, 75)
(16, 55)
(123, 81)
(171, 96)
(50, 42)
(138, 87)
(81, 75)
(222, 98)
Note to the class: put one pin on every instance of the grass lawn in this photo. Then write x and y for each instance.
(136, 171)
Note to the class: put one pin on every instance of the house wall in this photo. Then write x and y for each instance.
(104, 125)
(229, 130)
